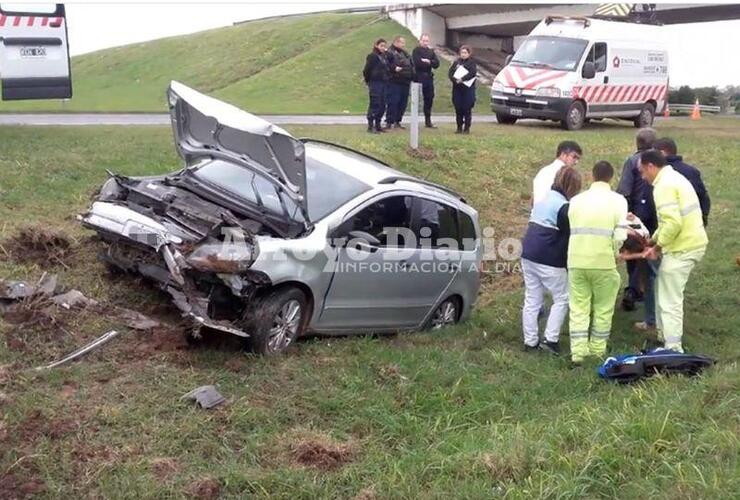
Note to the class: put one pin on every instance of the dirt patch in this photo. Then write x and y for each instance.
(366, 494)
(69, 389)
(236, 364)
(322, 454)
(40, 245)
(205, 488)
(36, 424)
(422, 153)
(164, 468)
(19, 486)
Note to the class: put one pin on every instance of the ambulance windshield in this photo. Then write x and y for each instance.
(550, 52)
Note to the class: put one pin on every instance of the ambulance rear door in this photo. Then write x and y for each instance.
(34, 54)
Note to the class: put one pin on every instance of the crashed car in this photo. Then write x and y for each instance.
(270, 237)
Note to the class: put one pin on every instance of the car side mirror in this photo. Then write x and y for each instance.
(508, 59)
(589, 70)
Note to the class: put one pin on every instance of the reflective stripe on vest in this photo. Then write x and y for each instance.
(592, 231)
(687, 210)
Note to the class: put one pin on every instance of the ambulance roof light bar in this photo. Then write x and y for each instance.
(550, 19)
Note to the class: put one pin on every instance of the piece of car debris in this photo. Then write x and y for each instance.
(206, 396)
(79, 352)
(72, 299)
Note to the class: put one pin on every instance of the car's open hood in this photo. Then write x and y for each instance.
(205, 127)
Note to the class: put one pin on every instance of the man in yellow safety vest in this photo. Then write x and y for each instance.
(595, 239)
(680, 238)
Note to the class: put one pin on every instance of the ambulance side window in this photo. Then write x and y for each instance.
(598, 56)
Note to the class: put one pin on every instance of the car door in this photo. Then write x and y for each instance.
(368, 289)
(34, 55)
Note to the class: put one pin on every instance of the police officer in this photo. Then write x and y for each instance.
(680, 238)
(463, 96)
(376, 78)
(639, 195)
(595, 238)
(425, 60)
(401, 71)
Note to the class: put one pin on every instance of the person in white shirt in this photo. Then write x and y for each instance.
(567, 155)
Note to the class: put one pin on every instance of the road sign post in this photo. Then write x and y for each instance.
(414, 138)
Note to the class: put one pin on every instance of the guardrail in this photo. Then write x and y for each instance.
(688, 108)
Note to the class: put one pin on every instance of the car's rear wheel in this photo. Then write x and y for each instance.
(446, 314)
(646, 116)
(276, 320)
(575, 117)
(505, 119)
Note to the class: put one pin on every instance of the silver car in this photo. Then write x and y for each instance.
(270, 237)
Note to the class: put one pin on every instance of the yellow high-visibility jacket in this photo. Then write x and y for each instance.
(595, 234)
(680, 226)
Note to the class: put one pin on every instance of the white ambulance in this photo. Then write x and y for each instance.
(34, 55)
(573, 70)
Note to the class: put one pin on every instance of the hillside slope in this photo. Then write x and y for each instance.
(308, 64)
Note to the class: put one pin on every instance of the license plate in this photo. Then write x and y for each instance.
(33, 52)
(516, 111)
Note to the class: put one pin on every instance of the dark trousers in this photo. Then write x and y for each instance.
(397, 97)
(376, 106)
(463, 118)
(427, 92)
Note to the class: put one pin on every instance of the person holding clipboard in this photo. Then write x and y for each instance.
(463, 73)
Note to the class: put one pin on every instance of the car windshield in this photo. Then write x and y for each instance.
(327, 188)
(550, 52)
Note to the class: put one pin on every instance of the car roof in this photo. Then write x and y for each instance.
(370, 170)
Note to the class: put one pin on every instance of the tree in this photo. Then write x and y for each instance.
(684, 95)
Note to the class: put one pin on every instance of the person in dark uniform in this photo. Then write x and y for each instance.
(425, 60)
(463, 96)
(376, 78)
(401, 71)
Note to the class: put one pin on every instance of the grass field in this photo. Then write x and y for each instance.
(461, 413)
(302, 64)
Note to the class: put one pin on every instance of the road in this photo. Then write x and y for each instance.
(91, 119)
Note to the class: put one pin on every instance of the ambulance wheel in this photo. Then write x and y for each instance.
(646, 116)
(505, 119)
(576, 117)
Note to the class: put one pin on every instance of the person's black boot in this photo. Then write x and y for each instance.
(459, 130)
(428, 122)
(379, 129)
(628, 299)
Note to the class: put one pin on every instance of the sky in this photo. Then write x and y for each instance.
(701, 54)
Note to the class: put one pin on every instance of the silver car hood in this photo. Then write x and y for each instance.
(205, 127)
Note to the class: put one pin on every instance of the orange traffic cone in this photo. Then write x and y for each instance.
(696, 113)
(666, 111)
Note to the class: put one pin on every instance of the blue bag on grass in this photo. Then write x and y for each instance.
(632, 367)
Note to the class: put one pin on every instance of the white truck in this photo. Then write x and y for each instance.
(573, 70)
(34, 54)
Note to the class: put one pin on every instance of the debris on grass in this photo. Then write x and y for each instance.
(206, 488)
(106, 337)
(423, 153)
(206, 396)
(40, 245)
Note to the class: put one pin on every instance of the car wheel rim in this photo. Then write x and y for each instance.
(445, 315)
(575, 116)
(285, 326)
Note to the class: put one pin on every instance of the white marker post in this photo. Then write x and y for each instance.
(414, 138)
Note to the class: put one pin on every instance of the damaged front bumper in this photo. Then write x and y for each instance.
(209, 280)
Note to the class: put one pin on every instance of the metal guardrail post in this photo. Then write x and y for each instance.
(414, 132)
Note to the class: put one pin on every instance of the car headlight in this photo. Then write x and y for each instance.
(548, 92)
(226, 257)
(497, 87)
(110, 191)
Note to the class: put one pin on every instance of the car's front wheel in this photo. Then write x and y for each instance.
(575, 117)
(276, 320)
(446, 314)
(505, 119)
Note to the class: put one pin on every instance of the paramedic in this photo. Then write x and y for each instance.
(639, 196)
(544, 259)
(680, 239)
(567, 155)
(425, 60)
(376, 78)
(595, 239)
